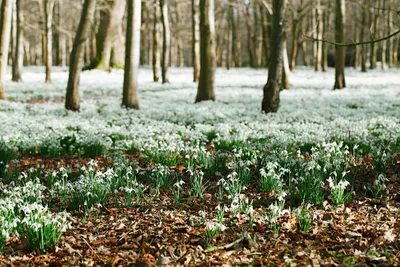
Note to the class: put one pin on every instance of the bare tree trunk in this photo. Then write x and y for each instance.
(110, 37)
(356, 36)
(132, 55)
(340, 50)
(117, 58)
(229, 39)
(72, 100)
(325, 18)
(196, 40)
(48, 14)
(27, 53)
(295, 41)
(270, 102)
(258, 45)
(265, 36)
(285, 66)
(19, 46)
(364, 47)
(62, 41)
(374, 30)
(166, 41)
(179, 44)
(250, 38)
(318, 34)
(389, 30)
(396, 46)
(205, 89)
(5, 29)
(156, 42)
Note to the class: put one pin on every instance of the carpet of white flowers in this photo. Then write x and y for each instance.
(178, 183)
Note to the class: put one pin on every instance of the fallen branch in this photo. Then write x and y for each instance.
(353, 44)
(228, 246)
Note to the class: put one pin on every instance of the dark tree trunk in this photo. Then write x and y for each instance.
(265, 34)
(364, 48)
(166, 41)
(205, 89)
(270, 102)
(19, 46)
(132, 55)
(340, 50)
(72, 100)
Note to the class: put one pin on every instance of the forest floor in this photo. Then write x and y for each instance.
(145, 209)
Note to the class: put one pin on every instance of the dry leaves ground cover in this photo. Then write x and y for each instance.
(160, 231)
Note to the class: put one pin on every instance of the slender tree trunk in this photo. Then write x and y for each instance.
(156, 42)
(318, 22)
(374, 30)
(62, 41)
(5, 29)
(132, 55)
(196, 40)
(250, 38)
(236, 42)
(72, 101)
(229, 38)
(270, 102)
(258, 45)
(285, 66)
(205, 89)
(265, 36)
(27, 53)
(166, 41)
(340, 50)
(295, 41)
(389, 30)
(19, 46)
(364, 48)
(325, 18)
(179, 44)
(48, 13)
(356, 36)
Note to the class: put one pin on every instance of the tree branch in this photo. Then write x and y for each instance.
(354, 44)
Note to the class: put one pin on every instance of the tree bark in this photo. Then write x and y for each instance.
(389, 30)
(374, 26)
(132, 55)
(340, 50)
(285, 66)
(110, 37)
(325, 18)
(205, 89)
(250, 37)
(318, 22)
(196, 40)
(295, 41)
(62, 41)
(364, 47)
(19, 46)
(166, 41)
(72, 101)
(5, 29)
(270, 102)
(157, 27)
(265, 36)
(48, 14)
